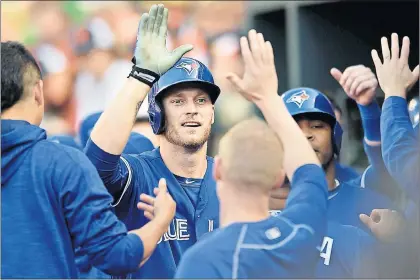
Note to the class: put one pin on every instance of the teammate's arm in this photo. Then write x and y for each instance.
(400, 149)
(259, 85)
(96, 230)
(112, 131)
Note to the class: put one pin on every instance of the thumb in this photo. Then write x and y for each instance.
(235, 80)
(162, 186)
(366, 220)
(181, 50)
(336, 74)
(416, 73)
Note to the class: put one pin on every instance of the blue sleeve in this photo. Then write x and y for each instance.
(92, 224)
(114, 170)
(307, 201)
(400, 147)
(197, 266)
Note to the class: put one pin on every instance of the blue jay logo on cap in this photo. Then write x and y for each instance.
(298, 98)
(188, 66)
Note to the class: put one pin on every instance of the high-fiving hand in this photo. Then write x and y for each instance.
(150, 52)
(260, 77)
(394, 74)
(359, 83)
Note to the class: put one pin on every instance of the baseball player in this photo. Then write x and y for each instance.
(52, 199)
(181, 100)
(314, 114)
(251, 243)
(400, 147)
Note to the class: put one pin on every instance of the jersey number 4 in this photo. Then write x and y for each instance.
(326, 249)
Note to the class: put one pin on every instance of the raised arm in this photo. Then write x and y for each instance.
(400, 148)
(112, 131)
(259, 85)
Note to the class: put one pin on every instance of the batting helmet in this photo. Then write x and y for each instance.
(307, 100)
(186, 70)
(413, 111)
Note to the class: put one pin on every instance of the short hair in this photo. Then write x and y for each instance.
(252, 156)
(19, 71)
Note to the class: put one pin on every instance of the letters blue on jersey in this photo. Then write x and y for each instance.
(277, 247)
(128, 176)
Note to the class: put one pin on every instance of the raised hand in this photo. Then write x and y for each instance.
(260, 77)
(387, 225)
(394, 74)
(150, 52)
(359, 83)
(161, 208)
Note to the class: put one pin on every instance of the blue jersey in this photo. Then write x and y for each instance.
(345, 173)
(278, 247)
(346, 202)
(400, 145)
(52, 200)
(127, 176)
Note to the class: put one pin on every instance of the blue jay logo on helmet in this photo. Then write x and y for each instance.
(299, 98)
(190, 67)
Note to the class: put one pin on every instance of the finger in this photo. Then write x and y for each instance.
(147, 199)
(366, 220)
(236, 81)
(385, 49)
(376, 60)
(416, 73)
(255, 49)
(261, 45)
(246, 53)
(349, 71)
(395, 46)
(349, 81)
(405, 50)
(371, 83)
(152, 18)
(145, 207)
(269, 52)
(159, 17)
(163, 29)
(181, 50)
(162, 186)
(337, 74)
(156, 191)
(149, 215)
(143, 24)
(357, 82)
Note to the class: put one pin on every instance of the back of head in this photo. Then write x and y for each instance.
(19, 74)
(251, 156)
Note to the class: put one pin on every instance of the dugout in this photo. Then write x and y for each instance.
(311, 37)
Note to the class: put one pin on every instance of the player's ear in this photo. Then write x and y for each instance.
(280, 180)
(38, 92)
(216, 168)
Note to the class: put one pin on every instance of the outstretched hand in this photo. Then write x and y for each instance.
(394, 74)
(260, 78)
(150, 52)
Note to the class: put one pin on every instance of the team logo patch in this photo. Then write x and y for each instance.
(298, 98)
(188, 66)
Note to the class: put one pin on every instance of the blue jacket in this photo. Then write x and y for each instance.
(52, 201)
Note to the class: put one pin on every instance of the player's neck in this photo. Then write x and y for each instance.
(183, 162)
(243, 209)
(330, 175)
(19, 112)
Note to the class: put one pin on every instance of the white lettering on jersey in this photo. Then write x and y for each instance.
(177, 230)
(326, 249)
(211, 225)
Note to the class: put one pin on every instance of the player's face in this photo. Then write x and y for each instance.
(189, 114)
(318, 133)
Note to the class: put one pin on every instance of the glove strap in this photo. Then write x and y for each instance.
(143, 75)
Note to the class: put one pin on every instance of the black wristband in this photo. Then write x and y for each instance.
(143, 75)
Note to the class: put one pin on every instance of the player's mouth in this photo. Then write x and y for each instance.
(191, 124)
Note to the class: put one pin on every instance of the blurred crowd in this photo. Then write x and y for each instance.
(84, 50)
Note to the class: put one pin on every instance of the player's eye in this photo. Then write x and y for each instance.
(201, 100)
(177, 101)
(317, 125)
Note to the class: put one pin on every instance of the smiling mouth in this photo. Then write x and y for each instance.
(191, 124)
